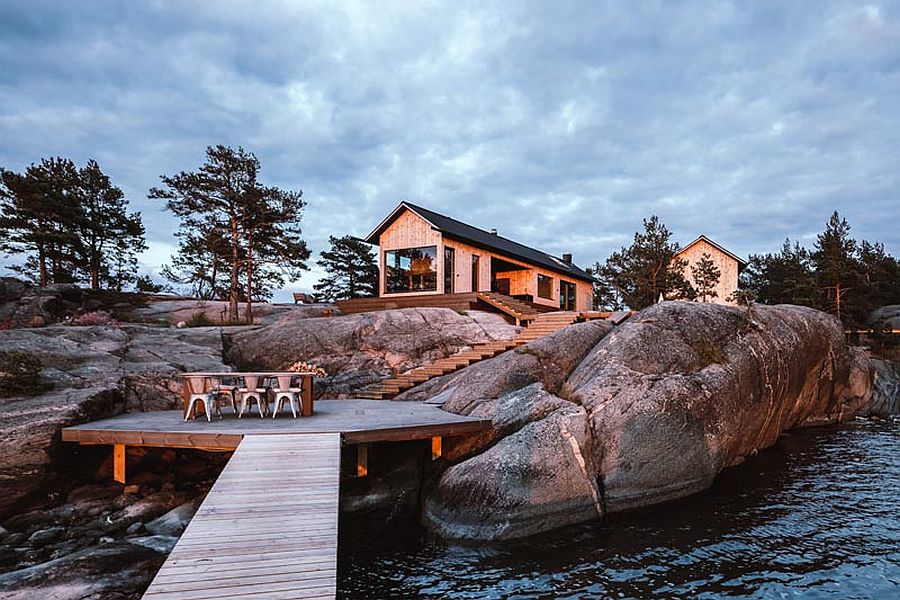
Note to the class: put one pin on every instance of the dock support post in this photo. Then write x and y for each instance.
(306, 399)
(362, 460)
(435, 447)
(119, 463)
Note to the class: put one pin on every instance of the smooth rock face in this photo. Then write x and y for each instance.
(172, 312)
(360, 349)
(684, 390)
(886, 316)
(96, 372)
(536, 478)
(885, 389)
(656, 409)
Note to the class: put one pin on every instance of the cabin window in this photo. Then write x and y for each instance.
(410, 270)
(545, 287)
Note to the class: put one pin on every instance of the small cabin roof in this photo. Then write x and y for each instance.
(741, 262)
(480, 238)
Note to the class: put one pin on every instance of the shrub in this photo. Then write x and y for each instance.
(20, 374)
(96, 317)
(199, 319)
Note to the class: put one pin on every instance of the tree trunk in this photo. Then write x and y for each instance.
(234, 284)
(837, 301)
(95, 266)
(42, 266)
(249, 312)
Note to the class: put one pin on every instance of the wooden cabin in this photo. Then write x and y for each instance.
(423, 253)
(729, 264)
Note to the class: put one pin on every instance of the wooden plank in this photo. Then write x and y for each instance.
(359, 420)
(268, 527)
(119, 463)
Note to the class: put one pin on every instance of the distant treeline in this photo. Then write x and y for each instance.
(840, 275)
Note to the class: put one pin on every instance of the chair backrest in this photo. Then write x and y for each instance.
(250, 381)
(284, 382)
(196, 384)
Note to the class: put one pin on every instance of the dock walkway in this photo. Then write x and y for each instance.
(268, 527)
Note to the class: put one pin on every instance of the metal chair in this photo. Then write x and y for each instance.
(217, 390)
(286, 392)
(197, 386)
(251, 392)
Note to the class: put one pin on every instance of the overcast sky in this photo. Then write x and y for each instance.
(561, 124)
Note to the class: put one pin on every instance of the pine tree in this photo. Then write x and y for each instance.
(648, 269)
(110, 238)
(783, 278)
(260, 224)
(838, 270)
(70, 224)
(40, 211)
(351, 270)
(606, 296)
(879, 276)
(201, 263)
(706, 277)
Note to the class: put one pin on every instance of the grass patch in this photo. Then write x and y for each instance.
(20, 374)
(199, 319)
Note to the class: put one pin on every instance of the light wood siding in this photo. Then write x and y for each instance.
(728, 280)
(410, 231)
(521, 282)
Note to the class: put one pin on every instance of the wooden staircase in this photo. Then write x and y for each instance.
(541, 325)
(545, 323)
(522, 312)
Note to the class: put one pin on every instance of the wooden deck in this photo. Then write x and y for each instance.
(359, 421)
(267, 529)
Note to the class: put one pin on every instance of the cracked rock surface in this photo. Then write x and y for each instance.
(364, 348)
(589, 421)
(95, 372)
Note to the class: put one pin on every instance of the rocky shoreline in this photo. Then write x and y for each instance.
(588, 420)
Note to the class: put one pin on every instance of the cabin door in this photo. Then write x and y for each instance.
(566, 295)
(475, 272)
(449, 270)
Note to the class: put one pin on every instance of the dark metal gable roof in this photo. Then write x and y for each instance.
(482, 239)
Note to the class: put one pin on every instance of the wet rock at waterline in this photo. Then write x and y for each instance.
(885, 389)
(534, 479)
(653, 412)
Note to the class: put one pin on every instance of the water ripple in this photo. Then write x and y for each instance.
(815, 517)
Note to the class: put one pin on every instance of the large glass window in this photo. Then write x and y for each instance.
(410, 270)
(545, 287)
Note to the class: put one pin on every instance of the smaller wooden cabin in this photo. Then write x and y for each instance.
(729, 264)
(422, 252)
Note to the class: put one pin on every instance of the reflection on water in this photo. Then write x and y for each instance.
(816, 516)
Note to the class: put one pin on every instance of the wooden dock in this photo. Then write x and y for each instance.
(267, 529)
(358, 421)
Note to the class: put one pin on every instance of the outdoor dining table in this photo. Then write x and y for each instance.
(306, 397)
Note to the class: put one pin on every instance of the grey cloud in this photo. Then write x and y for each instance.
(561, 124)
